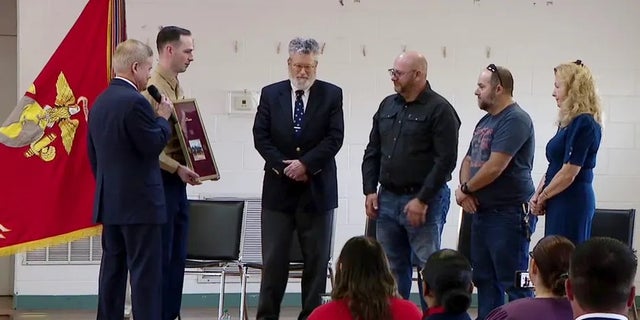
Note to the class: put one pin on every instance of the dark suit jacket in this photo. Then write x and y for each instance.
(320, 140)
(125, 140)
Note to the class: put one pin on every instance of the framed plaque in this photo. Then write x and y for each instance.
(194, 141)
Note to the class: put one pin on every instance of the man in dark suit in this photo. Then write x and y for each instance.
(125, 139)
(601, 280)
(298, 130)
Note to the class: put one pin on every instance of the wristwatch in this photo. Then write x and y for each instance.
(465, 189)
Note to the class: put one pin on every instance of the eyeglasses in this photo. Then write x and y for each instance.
(531, 254)
(298, 67)
(397, 73)
(492, 67)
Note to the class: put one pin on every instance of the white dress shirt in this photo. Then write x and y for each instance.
(602, 315)
(127, 81)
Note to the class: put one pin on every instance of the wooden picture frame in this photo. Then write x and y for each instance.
(194, 141)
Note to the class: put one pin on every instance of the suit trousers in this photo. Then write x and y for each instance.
(314, 231)
(136, 248)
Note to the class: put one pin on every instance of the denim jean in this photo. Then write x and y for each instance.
(499, 248)
(408, 246)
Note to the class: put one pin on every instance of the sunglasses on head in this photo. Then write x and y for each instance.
(492, 67)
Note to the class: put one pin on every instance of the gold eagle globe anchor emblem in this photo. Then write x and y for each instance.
(27, 126)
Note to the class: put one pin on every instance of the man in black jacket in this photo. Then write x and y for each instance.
(412, 151)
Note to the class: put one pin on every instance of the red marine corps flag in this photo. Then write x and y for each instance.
(46, 184)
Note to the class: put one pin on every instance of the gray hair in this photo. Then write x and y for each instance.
(128, 52)
(304, 46)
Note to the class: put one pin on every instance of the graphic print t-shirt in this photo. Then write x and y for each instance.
(510, 132)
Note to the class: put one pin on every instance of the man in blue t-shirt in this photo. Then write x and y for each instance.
(495, 186)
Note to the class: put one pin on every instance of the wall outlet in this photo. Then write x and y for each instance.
(244, 101)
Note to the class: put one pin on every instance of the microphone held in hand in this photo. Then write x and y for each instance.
(164, 107)
(155, 94)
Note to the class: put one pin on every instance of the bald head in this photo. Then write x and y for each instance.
(413, 60)
(409, 74)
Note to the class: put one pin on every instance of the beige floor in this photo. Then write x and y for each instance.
(5, 308)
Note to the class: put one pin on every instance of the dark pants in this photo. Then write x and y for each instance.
(174, 244)
(314, 233)
(499, 248)
(136, 248)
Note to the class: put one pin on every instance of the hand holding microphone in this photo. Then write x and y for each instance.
(165, 107)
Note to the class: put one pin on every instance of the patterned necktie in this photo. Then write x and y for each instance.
(298, 113)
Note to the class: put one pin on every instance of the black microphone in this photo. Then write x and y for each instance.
(153, 91)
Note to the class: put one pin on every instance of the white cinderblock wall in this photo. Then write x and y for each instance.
(236, 48)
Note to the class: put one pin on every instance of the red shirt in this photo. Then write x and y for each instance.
(338, 310)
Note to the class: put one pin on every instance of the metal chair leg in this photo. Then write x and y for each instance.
(221, 297)
(243, 293)
(331, 276)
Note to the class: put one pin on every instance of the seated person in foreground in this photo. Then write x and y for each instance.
(548, 270)
(601, 280)
(447, 285)
(364, 287)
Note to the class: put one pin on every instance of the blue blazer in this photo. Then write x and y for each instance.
(319, 142)
(124, 143)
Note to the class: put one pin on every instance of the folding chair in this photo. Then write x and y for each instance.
(214, 237)
(618, 224)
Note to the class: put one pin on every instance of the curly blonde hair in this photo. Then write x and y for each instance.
(581, 96)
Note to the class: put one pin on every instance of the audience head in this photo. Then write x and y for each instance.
(447, 281)
(364, 278)
(133, 61)
(550, 260)
(303, 61)
(601, 277)
(575, 92)
(409, 74)
(495, 88)
(175, 48)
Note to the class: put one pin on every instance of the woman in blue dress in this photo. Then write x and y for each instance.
(565, 194)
